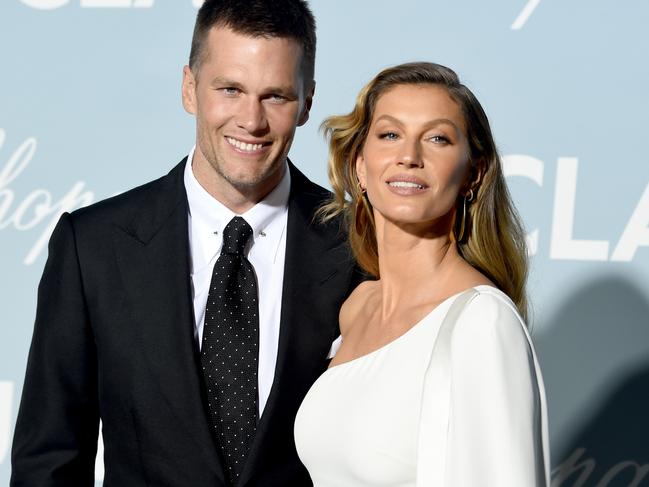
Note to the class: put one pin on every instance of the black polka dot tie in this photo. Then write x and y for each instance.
(230, 348)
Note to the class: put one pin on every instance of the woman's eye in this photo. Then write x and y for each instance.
(389, 136)
(439, 139)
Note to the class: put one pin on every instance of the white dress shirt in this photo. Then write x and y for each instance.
(266, 252)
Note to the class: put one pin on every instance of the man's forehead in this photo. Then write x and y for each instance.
(272, 61)
(223, 36)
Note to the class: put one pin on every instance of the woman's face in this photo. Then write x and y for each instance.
(415, 160)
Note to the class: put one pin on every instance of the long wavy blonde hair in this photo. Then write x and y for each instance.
(493, 241)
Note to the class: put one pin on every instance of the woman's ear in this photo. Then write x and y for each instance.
(479, 169)
(476, 173)
(361, 171)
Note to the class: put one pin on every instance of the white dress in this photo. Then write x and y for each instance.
(371, 421)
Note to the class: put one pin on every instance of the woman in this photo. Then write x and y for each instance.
(436, 382)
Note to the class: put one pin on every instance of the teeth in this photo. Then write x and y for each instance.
(405, 184)
(243, 146)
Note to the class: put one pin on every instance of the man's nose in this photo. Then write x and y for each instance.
(252, 116)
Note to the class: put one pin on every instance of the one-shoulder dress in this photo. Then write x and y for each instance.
(375, 420)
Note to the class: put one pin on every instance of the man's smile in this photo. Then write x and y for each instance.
(247, 147)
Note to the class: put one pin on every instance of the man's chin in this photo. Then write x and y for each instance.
(254, 183)
(250, 182)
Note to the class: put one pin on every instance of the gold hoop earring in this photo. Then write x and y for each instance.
(468, 198)
(363, 200)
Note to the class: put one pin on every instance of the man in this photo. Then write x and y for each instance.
(193, 313)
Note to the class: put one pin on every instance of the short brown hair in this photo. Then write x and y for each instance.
(258, 18)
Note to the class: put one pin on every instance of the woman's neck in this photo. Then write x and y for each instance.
(416, 265)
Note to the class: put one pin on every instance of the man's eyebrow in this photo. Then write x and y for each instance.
(287, 91)
(220, 81)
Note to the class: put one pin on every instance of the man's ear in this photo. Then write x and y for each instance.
(308, 101)
(189, 91)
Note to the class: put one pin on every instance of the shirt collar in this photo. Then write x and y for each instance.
(213, 215)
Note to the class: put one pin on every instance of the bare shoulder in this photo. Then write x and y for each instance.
(468, 276)
(464, 276)
(354, 305)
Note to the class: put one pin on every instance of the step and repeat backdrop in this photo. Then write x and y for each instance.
(90, 106)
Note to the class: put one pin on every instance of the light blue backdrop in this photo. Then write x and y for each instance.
(90, 106)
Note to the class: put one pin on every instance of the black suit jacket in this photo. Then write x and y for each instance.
(113, 339)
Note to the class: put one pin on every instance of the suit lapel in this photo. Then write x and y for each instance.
(153, 255)
(315, 255)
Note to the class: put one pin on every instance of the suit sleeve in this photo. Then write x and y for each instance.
(55, 439)
(495, 436)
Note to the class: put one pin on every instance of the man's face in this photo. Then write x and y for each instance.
(248, 96)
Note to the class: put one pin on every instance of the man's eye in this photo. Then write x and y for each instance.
(389, 136)
(228, 90)
(277, 98)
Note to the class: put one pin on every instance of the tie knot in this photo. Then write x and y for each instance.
(235, 236)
